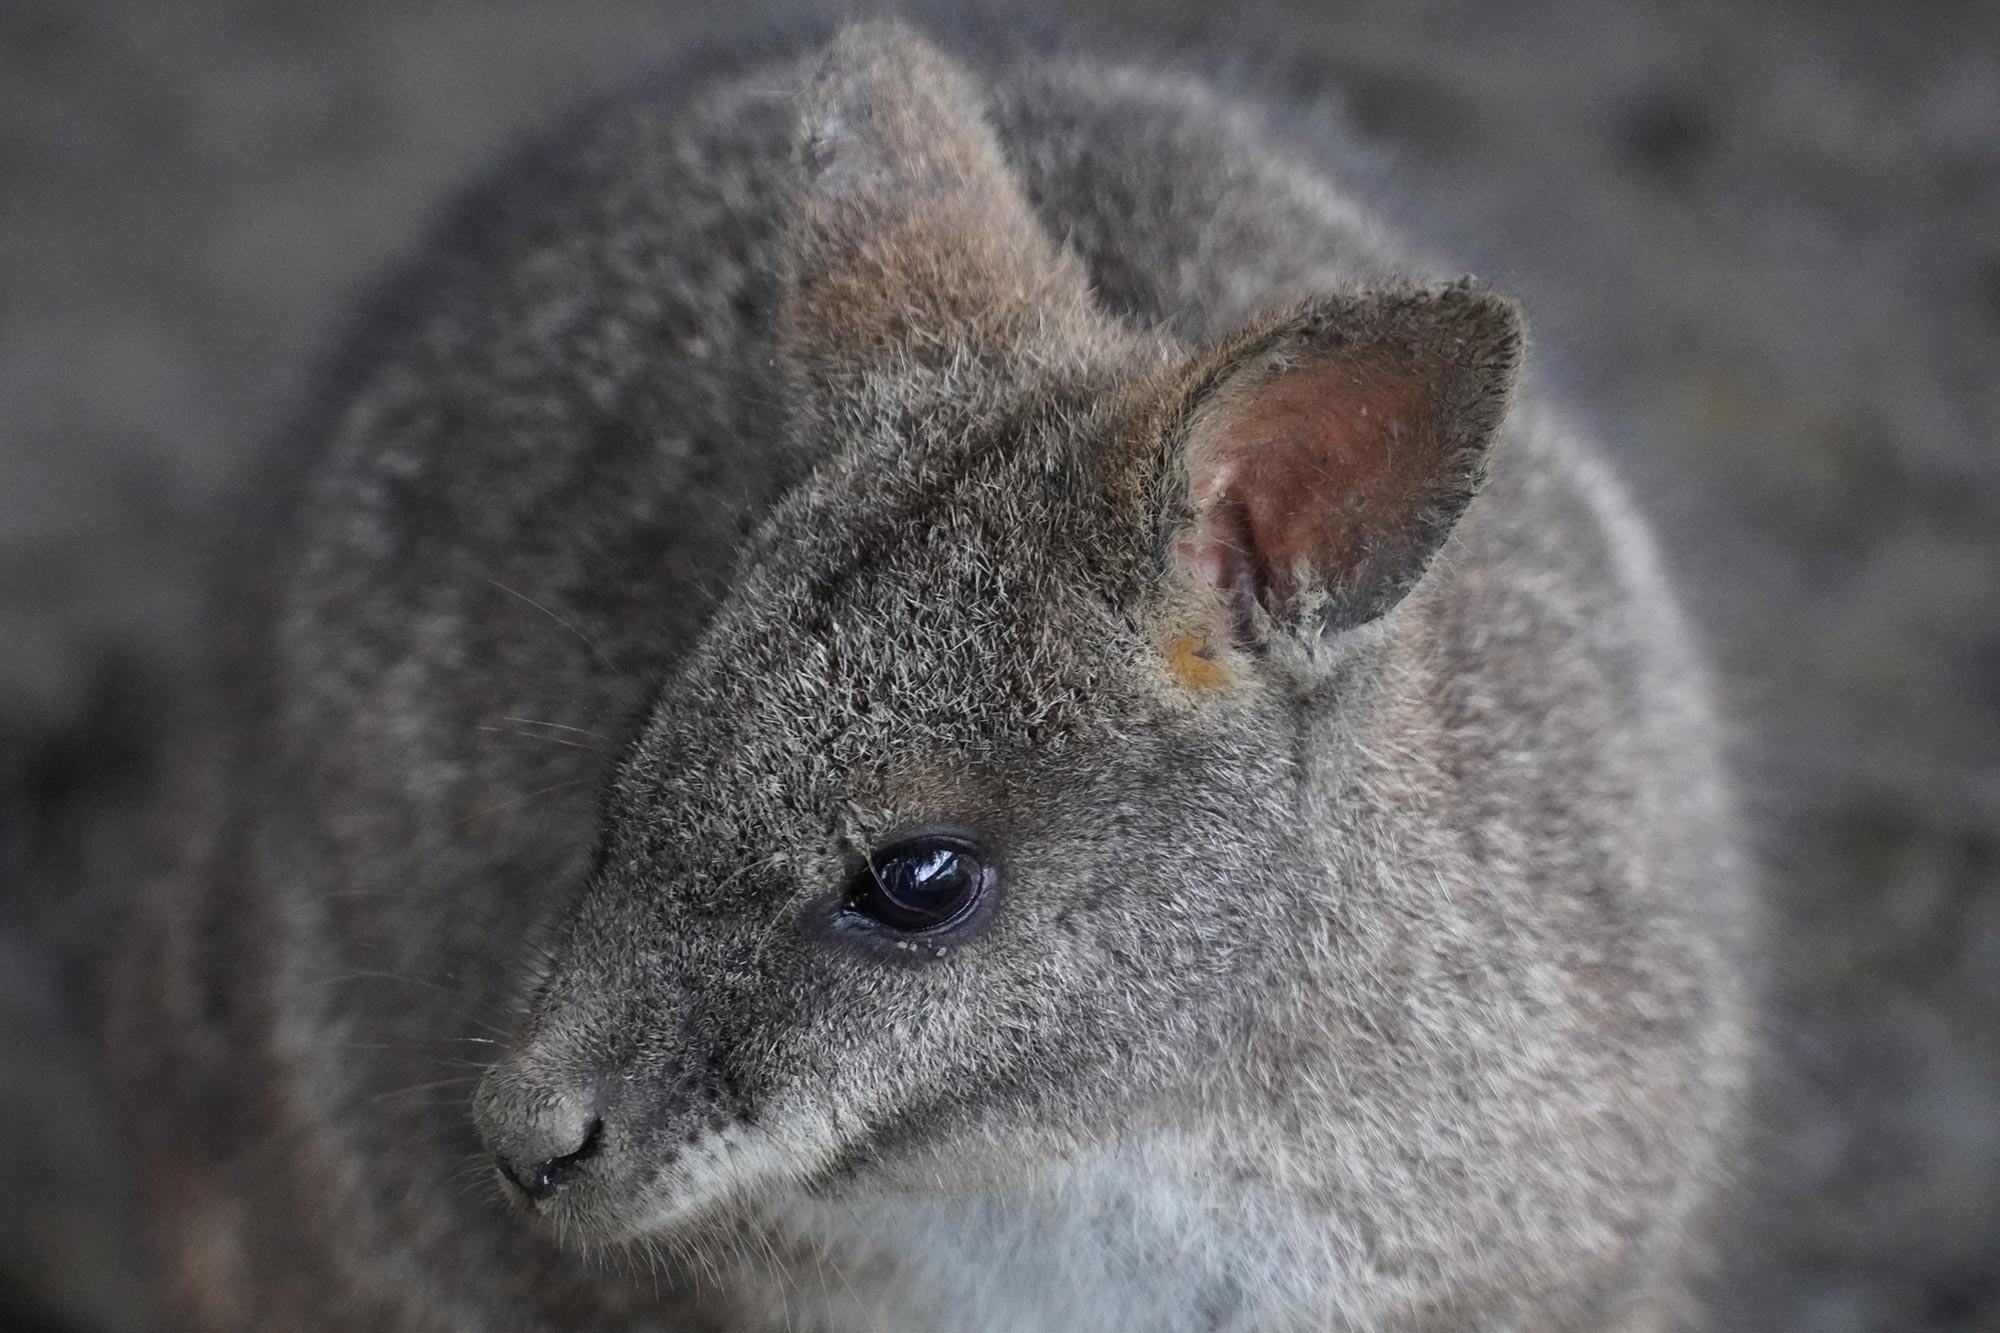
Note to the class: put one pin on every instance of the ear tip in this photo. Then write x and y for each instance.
(1499, 319)
(876, 90)
(880, 34)
(869, 57)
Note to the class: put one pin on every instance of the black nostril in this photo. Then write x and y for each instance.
(538, 1180)
(541, 1126)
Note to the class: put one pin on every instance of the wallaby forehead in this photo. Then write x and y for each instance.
(956, 627)
(947, 617)
(941, 521)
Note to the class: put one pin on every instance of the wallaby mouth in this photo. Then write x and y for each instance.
(602, 1157)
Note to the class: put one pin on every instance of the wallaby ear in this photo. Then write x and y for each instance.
(1328, 454)
(913, 242)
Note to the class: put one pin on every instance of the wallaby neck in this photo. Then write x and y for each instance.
(1128, 1243)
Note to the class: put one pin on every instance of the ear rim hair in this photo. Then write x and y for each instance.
(1458, 348)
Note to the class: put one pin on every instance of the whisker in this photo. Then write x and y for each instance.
(456, 1081)
(558, 726)
(545, 740)
(516, 801)
(581, 636)
(350, 977)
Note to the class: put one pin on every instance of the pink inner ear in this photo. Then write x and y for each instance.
(1316, 475)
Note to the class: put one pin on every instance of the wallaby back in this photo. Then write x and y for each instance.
(937, 695)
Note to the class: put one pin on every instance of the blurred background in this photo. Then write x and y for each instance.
(1761, 246)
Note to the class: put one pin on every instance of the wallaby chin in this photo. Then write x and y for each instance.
(942, 696)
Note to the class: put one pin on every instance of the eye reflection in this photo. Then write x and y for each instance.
(919, 884)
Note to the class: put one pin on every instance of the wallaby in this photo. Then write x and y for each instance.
(909, 692)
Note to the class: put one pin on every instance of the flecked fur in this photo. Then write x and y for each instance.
(756, 473)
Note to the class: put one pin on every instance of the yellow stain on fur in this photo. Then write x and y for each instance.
(1195, 664)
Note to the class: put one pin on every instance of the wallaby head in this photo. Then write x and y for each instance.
(968, 838)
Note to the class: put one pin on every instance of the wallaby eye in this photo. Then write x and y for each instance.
(921, 883)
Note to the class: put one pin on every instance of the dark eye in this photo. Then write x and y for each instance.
(920, 884)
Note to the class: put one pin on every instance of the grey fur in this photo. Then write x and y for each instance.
(1387, 985)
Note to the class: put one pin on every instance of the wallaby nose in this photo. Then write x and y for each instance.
(537, 1172)
(539, 1139)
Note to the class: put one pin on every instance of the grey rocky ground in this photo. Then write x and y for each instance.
(1760, 241)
